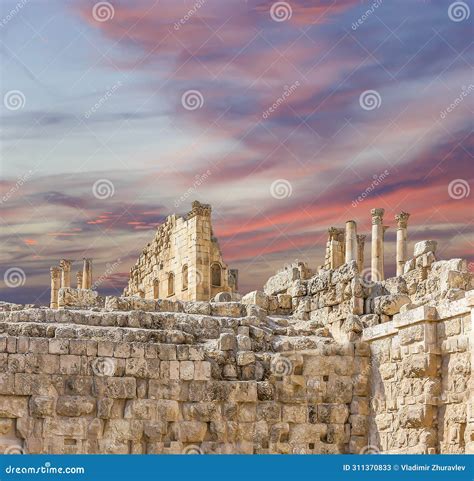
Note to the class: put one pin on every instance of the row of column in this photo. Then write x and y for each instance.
(346, 245)
(61, 277)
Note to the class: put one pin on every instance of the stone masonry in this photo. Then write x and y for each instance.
(325, 361)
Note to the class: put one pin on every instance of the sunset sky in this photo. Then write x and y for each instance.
(295, 108)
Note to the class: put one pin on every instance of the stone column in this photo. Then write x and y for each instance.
(87, 273)
(351, 241)
(360, 252)
(402, 222)
(79, 279)
(55, 285)
(336, 247)
(378, 230)
(65, 265)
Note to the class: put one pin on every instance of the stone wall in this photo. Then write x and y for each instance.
(422, 380)
(236, 381)
(178, 262)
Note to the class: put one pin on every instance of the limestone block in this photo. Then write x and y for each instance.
(69, 297)
(244, 343)
(344, 273)
(227, 342)
(391, 304)
(369, 320)
(424, 247)
(75, 405)
(202, 308)
(257, 298)
(231, 309)
(320, 282)
(298, 289)
(245, 357)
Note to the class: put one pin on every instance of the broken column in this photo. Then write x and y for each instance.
(65, 265)
(87, 273)
(351, 241)
(360, 252)
(402, 222)
(377, 273)
(79, 279)
(55, 285)
(335, 247)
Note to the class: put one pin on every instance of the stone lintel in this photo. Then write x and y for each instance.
(380, 330)
(414, 316)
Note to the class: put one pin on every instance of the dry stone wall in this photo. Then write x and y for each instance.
(237, 381)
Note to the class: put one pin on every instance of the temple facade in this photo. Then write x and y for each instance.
(183, 261)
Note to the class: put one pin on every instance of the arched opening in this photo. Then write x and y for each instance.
(216, 275)
(170, 284)
(156, 289)
(185, 277)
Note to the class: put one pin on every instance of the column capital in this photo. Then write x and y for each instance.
(55, 271)
(402, 219)
(65, 263)
(377, 216)
(335, 233)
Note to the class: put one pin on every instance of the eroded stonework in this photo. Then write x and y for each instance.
(326, 361)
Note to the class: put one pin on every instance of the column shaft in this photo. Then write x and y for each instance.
(377, 260)
(55, 285)
(351, 241)
(87, 274)
(402, 248)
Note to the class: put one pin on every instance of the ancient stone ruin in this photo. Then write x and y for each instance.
(335, 359)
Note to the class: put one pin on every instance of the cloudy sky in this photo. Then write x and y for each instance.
(281, 115)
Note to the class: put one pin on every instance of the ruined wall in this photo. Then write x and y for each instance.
(236, 381)
(184, 248)
(422, 380)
